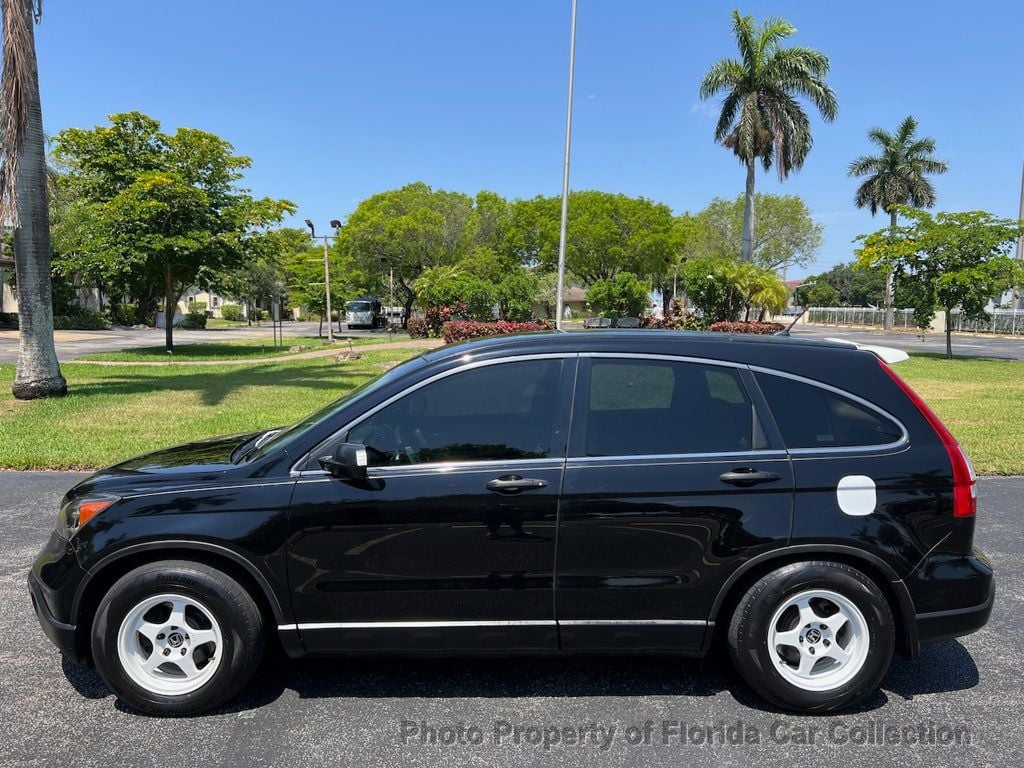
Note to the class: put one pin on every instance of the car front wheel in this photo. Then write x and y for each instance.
(813, 636)
(176, 638)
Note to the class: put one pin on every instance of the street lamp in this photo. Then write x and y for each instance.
(560, 284)
(327, 274)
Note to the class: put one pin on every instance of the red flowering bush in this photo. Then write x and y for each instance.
(748, 327)
(417, 328)
(460, 330)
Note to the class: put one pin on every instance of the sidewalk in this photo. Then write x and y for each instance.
(417, 344)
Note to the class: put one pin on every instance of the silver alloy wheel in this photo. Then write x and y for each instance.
(170, 644)
(818, 640)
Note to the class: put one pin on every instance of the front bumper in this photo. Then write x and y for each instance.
(64, 636)
(953, 596)
(53, 584)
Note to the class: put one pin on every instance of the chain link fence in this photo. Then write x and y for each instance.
(1004, 321)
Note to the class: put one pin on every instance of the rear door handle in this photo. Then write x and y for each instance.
(746, 476)
(511, 484)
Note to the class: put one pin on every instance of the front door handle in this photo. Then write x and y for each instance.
(746, 476)
(511, 484)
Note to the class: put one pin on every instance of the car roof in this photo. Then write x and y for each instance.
(706, 344)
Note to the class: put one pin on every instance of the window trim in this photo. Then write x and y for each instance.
(902, 442)
(447, 466)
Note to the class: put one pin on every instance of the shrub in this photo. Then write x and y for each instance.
(193, 321)
(232, 312)
(418, 328)
(622, 296)
(198, 307)
(437, 316)
(677, 319)
(80, 319)
(124, 314)
(9, 320)
(750, 327)
(460, 330)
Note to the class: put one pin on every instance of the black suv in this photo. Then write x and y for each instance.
(550, 493)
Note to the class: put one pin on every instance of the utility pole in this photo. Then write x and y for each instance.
(559, 300)
(1020, 240)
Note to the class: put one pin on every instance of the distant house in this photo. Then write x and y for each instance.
(8, 299)
(792, 285)
(214, 302)
(573, 298)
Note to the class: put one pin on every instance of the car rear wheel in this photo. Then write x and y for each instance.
(176, 637)
(813, 636)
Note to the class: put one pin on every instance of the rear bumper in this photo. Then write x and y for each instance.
(64, 636)
(945, 625)
(953, 596)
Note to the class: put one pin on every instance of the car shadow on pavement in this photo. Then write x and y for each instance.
(941, 667)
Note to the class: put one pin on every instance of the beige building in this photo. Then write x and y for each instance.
(8, 299)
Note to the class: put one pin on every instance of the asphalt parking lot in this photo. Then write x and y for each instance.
(396, 712)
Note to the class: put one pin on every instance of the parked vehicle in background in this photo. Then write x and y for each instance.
(588, 493)
(363, 312)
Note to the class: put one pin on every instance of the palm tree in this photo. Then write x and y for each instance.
(24, 203)
(897, 176)
(761, 117)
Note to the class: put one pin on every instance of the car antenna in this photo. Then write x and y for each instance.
(785, 331)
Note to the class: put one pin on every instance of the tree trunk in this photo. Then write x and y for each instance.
(748, 216)
(949, 333)
(890, 288)
(38, 372)
(170, 309)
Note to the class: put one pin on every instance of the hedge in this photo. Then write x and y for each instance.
(417, 327)
(460, 330)
(749, 327)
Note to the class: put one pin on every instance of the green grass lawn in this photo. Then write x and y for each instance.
(261, 347)
(982, 403)
(114, 412)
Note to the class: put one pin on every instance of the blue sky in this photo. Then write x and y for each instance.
(337, 100)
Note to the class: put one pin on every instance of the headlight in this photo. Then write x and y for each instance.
(74, 514)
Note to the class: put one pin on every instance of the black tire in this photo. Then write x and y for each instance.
(748, 635)
(237, 614)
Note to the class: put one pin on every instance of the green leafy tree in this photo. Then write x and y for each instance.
(761, 118)
(23, 202)
(623, 295)
(163, 211)
(262, 275)
(606, 234)
(724, 288)
(785, 235)
(898, 175)
(407, 231)
(821, 294)
(952, 260)
(856, 287)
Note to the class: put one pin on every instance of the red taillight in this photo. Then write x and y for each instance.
(965, 493)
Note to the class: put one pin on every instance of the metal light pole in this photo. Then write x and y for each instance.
(327, 275)
(559, 301)
(1020, 240)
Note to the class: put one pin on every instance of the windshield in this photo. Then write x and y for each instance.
(358, 306)
(288, 434)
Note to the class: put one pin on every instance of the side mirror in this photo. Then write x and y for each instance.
(349, 462)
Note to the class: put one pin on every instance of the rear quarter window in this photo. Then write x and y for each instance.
(809, 416)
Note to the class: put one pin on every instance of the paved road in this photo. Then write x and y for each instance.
(338, 713)
(72, 344)
(972, 346)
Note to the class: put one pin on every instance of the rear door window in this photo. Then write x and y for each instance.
(655, 407)
(809, 416)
